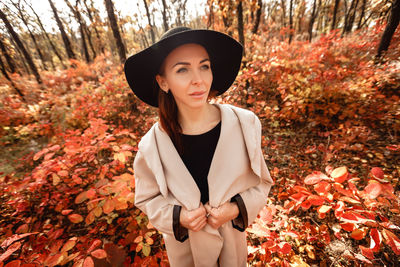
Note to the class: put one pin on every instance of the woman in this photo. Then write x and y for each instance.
(200, 175)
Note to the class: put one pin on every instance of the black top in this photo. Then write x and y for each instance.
(198, 152)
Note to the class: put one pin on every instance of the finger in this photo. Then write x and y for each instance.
(208, 208)
(197, 221)
(199, 212)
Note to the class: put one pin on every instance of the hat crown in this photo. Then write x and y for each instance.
(173, 31)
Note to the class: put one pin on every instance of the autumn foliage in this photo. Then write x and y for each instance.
(330, 121)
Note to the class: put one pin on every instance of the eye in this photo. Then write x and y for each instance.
(181, 70)
(205, 67)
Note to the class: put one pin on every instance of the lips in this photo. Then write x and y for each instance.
(197, 93)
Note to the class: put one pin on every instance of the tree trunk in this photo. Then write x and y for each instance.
(291, 21)
(77, 16)
(312, 19)
(240, 24)
(335, 9)
(9, 59)
(283, 7)
(48, 37)
(94, 26)
(22, 17)
(3, 70)
(164, 14)
(153, 37)
(347, 19)
(364, 4)
(390, 28)
(114, 27)
(352, 17)
(210, 20)
(64, 36)
(258, 16)
(18, 41)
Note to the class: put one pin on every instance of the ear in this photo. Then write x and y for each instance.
(162, 83)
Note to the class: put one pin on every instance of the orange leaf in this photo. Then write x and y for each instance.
(340, 174)
(138, 239)
(66, 212)
(358, 234)
(94, 245)
(63, 173)
(91, 193)
(99, 253)
(108, 206)
(81, 197)
(75, 218)
(69, 244)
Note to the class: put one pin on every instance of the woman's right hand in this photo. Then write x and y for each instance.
(195, 219)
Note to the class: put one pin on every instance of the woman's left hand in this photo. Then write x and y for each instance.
(224, 213)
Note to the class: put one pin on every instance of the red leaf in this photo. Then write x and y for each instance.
(306, 204)
(299, 197)
(367, 252)
(14, 263)
(376, 240)
(315, 177)
(94, 245)
(88, 262)
(322, 187)
(316, 200)
(348, 226)
(99, 253)
(11, 249)
(377, 173)
(392, 240)
(284, 247)
(373, 189)
(14, 238)
(340, 174)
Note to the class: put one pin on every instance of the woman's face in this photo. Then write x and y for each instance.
(187, 73)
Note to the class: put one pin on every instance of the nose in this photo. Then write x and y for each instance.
(196, 77)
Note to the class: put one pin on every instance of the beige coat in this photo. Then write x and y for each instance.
(238, 166)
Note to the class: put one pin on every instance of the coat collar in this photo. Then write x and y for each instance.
(160, 152)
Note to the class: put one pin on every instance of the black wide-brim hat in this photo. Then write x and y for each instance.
(225, 56)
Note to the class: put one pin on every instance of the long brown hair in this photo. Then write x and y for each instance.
(168, 114)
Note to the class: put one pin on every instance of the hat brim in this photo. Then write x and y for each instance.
(225, 56)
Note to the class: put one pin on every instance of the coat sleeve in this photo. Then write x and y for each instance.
(148, 197)
(255, 198)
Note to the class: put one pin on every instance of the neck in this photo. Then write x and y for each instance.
(196, 120)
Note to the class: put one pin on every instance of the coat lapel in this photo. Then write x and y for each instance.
(179, 180)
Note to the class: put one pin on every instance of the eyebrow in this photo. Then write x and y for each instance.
(187, 63)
